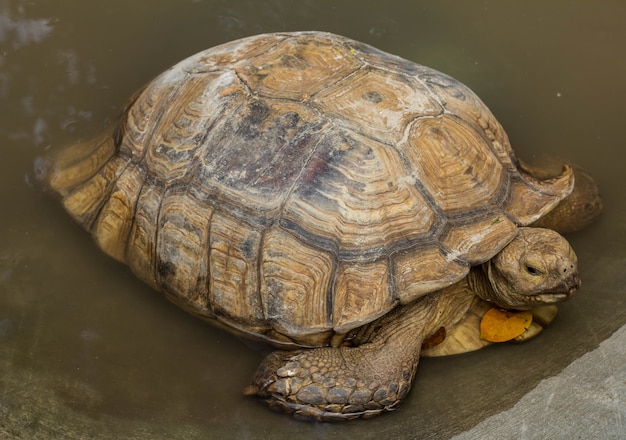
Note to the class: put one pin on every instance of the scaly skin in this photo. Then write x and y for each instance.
(333, 383)
(337, 383)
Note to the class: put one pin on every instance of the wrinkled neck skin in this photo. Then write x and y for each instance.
(414, 322)
(489, 286)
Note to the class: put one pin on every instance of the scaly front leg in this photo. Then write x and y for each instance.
(339, 383)
(330, 384)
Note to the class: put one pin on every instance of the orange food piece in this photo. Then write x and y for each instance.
(500, 325)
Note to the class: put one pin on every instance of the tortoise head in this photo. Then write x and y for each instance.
(538, 267)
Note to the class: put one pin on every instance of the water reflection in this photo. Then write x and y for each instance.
(18, 31)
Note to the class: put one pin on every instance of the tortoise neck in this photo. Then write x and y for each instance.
(404, 327)
(488, 284)
(410, 324)
(479, 281)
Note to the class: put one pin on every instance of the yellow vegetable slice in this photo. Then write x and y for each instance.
(500, 325)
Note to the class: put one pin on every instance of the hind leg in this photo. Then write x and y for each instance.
(578, 209)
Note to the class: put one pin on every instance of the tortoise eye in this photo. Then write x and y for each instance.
(532, 270)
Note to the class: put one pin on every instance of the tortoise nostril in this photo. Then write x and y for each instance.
(565, 269)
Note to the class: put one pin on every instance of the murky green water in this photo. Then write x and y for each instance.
(87, 351)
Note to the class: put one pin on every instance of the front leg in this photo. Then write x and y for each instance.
(330, 384)
(339, 383)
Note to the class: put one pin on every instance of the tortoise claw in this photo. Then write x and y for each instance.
(269, 377)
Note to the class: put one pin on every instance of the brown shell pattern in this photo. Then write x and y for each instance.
(299, 185)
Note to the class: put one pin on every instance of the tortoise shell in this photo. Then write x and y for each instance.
(296, 186)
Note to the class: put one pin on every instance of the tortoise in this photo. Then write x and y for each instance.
(346, 205)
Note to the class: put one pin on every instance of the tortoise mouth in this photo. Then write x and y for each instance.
(529, 301)
(562, 292)
(553, 297)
